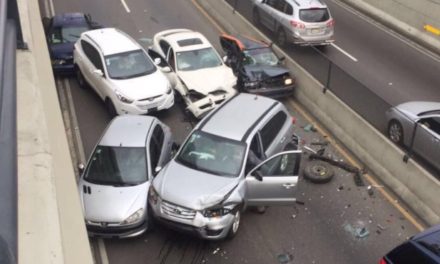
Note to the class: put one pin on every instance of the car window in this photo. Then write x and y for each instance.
(272, 128)
(66, 34)
(282, 165)
(171, 60)
(156, 144)
(314, 15)
(432, 123)
(117, 166)
(212, 154)
(288, 9)
(255, 155)
(197, 59)
(272, 3)
(164, 46)
(262, 56)
(92, 54)
(129, 65)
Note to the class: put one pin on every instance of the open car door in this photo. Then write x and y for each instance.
(274, 181)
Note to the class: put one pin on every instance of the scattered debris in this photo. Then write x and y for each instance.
(300, 202)
(215, 251)
(362, 232)
(310, 127)
(340, 188)
(370, 190)
(294, 216)
(380, 227)
(318, 172)
(320, 143)
(285, 258)
(358, 231)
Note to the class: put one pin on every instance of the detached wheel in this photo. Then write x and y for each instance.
(80, 78)
(318, 171)
(395, 132)
(282, 37)
(110, 108)
(235, 225)
(256, 17)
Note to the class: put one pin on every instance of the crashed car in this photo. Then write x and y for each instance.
(62, 31)
(199, 74)
(257, 67)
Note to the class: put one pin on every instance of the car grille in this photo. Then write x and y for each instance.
(150, 99)
(218, 92)
(177, 211)
(275, 81)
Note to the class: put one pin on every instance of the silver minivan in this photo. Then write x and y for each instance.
(302, 22)
(114, 186)
(234, 158)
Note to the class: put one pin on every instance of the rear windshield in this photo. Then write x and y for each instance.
(314, 15)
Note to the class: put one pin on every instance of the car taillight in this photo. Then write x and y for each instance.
(331, 23)
(297, 24)
(382, 261)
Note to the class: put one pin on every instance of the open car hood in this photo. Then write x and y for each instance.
(256, 73)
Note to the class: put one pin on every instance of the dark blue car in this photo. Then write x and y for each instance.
(62, 31)
(423, 248)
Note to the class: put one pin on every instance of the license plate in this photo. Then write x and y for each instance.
(316, 31)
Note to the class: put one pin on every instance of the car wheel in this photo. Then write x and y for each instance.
(256, 17)
(110, 107)
(150, 219)
(318, 171)
(80, 78)
(281, 37)
(235, 224)
(395, 132)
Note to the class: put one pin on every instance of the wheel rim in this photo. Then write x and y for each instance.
(395, 132)
(236, 222)
(319, 170)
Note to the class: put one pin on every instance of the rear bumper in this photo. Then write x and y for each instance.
(117, 232)
(305, 40)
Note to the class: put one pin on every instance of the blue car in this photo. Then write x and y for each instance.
(62, 31)
(423, 248)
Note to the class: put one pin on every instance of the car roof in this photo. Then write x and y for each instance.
(127, 131)
(308, 3)
(246, 43)
(185, 34)
(112, 40)
(234, 118)
(69, 19)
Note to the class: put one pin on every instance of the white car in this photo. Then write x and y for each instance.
(121, 73)
(199, 74)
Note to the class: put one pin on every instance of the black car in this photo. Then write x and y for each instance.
(423, 248)
(62, 31)
(258, 69)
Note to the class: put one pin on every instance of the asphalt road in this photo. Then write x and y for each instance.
(319, 231)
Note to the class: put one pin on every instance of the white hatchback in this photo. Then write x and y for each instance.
(121, 73)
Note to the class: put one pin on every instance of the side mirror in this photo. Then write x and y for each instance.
(257, 174)
(157, 169)
(98, 72)
(81, 168)
(157, 61)
(175, 146)
(166, 69)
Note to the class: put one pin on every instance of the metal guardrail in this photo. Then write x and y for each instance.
(10, 37)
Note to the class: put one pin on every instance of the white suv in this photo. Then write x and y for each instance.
(302, 22)
(121, 73)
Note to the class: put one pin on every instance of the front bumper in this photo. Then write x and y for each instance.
(273, 91)
(200, 226)
(63, 68)
(201, 107)
(137, 108)
(117, 231)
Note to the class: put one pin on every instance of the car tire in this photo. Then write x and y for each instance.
(317, 171)
(151, 222)
(395, 132)
(256, 17)
(80, 78)
(235, 224)
(110, 108)
(281, 37)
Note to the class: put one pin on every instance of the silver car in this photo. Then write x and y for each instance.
(302, 22)
(115, 183)
(421, 119)
(234, 158)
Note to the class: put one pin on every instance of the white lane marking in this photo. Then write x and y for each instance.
(125, 6)
(102, 252)
(344, 52)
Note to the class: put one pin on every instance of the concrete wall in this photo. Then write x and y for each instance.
(415, 186)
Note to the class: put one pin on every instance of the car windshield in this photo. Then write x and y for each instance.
(129, 65)
(314, 15)
(212, 154)
(66, 34)
(262, 56)
(197, 59)
(117, 166)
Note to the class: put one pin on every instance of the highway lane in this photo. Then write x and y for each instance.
(316, 232)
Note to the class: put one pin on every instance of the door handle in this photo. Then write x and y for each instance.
(288, 185)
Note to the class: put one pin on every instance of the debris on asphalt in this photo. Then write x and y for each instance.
(310, 127)
(320, 143)
(370, 190)
(380, 227)
(285, 258)
(358, 231)
(300, 202)
(340, 188)
(362, 232)
(310, 149)
(293, 216)
(215, 251)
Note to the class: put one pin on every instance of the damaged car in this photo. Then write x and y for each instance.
(258, 69)
(227, 165)
(199, 75)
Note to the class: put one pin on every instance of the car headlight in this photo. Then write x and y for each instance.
(288, 81)
(250, 84)
(58, 62)
(123, 98)
(216, 212)
(153, 197)
(135, 217)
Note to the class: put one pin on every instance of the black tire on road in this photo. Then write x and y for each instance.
(318, 171)
(395, 132)
(80, 78)
(110, 108)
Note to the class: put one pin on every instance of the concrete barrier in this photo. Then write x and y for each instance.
(414, 185)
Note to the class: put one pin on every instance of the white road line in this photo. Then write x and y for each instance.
(102, 252)
(125, 6)
(344, 52)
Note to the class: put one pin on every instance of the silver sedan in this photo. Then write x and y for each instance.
(417, 125)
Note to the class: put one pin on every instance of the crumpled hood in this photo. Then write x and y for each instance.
(62, 51)
(144, 86)
(112, 204)
(210, 79)
(256, 73)
(190, 188)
